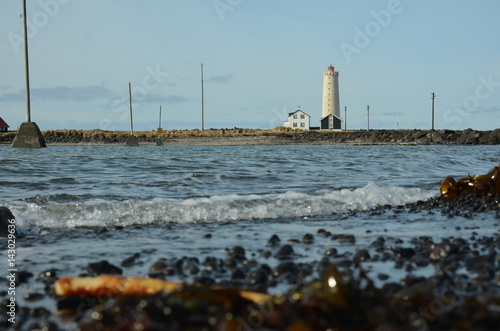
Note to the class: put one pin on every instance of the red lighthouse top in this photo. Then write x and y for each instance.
(331, 67)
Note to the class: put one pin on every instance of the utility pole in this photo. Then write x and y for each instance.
(345, 118)
(433, 96)
(159, 142)
(368, 113)
(202, 101)
(26, 64)
(131, 140)
(29, 134)
(159, 121)
(130, 102)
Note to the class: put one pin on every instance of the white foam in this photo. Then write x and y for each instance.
(227, 208)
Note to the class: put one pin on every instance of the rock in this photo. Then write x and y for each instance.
(274, 240)
(361, 255)
(103, 268)
(48, 276)
(285, 252)
(308, 238)
(237, 252)
(6, 219)
(494, 137)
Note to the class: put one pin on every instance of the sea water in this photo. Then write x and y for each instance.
(76, 205)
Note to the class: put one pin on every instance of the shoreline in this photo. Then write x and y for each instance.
(247, 137)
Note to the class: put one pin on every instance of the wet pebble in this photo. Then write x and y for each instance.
(103, 267)
(285, 252)
(274, 240)
(48, 276)
(308, 238)
(130, 261)
(361, 255)
(331, 251)
(344, 238)
(30, 297)
(237, 252)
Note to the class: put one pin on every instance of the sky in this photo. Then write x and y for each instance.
(261, 60)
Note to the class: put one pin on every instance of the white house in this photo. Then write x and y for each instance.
(298, 120)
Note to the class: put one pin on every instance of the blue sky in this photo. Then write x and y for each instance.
(262, 59)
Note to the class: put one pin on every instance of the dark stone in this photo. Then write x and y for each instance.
(286, 270)
(236, 252)
(257, 277)
(6, 219)
(48, 276)
(130, 261)
(331, 251)
(274, 240)
(29, 136)
(23, 276)
(403, 252)
(238, 274)
(103, 268)
(361, 255)
(285, 252)
(158, 266)
(204, 281)
(30, 297)
(308, 238)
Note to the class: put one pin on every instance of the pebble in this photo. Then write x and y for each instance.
(285, 252)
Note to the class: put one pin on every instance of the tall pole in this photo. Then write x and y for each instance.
(159, 122)
(433, 96)
(202, 101)
(368, 113)
(130, 101)
(345, 118)
(26, 64)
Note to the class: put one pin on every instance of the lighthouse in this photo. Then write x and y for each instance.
(330, 112)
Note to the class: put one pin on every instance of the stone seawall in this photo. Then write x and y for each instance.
(254, 137)
(412, 137)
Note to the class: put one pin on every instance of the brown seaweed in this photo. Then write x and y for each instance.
(478, 184)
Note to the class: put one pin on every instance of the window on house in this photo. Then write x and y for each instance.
(302, 116)
(294, 116)
(302, 124)
(294, 125)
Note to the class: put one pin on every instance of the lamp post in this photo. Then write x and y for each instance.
(29, 135)
(159, 142)
(433, 96)
(345, 118)
(202, 101)
(368, 114)
(131, 140)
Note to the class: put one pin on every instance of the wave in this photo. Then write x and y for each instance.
(214, 209)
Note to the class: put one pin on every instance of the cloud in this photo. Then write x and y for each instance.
(223, 79)
(169, 100)
(490, 110)
(391, 113)
(60, 93)
(119, 101)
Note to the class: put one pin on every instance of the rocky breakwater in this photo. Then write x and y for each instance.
(410, 137)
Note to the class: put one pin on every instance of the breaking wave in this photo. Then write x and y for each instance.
(228, 208)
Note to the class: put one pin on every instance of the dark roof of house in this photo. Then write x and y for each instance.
(3, 124)
(290, 114)
(329, 116)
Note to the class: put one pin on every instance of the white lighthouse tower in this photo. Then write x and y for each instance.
(330, 113)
